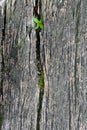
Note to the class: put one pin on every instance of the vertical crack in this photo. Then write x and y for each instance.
(2, 53)
(40, 71)
(2, 66)
(38, 58)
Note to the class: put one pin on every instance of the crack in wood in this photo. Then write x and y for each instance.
(2, 55)
(39, 65)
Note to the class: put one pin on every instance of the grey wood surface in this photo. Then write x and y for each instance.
(62, 102)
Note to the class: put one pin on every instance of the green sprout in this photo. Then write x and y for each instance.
(41, 80)
(39, 23)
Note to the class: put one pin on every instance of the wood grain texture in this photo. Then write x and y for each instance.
(63, 59)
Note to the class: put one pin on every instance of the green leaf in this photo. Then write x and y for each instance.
(41, 26)
(35, 20)
(41, 20)
(39, 23)
(37, 27)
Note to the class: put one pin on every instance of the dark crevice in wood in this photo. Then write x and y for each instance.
(2, 55)
(2, 67)
(37, 13)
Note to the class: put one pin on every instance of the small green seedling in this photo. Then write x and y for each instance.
(39, 23)
(41, 80)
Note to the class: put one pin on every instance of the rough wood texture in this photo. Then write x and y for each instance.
(44, 73)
